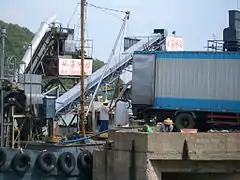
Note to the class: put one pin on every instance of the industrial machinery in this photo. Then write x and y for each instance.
(28, 116)
(196, 89)
(231, 34)
(29, 111)
(26, 110)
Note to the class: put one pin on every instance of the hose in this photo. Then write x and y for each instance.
(84, 138)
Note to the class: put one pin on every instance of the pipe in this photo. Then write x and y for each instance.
(2, 63)
(84, 138)
(124, 89)
(49, 91)
(35, 42)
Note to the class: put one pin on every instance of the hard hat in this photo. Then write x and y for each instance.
(168, 121)
(105, 102)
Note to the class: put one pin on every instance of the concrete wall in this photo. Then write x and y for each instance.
(201, 146)
(159, 153)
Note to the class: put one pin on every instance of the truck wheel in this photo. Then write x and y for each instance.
(184, 121)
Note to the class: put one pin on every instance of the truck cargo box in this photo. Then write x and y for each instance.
(193, 81)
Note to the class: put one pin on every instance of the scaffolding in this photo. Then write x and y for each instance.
(215, 45)
(221, 45)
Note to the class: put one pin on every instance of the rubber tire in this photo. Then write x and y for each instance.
(17, 162)
(84, 161)
(179, 119)
(63, 164)
(3, 158)
(43, 165)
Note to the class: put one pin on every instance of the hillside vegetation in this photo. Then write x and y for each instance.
(17, 37)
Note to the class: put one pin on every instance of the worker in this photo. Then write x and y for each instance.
(166, 126)
(104, 116)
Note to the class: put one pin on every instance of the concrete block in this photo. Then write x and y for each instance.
(152, 173)
(99, 165)
(110, 165)
(123, 140)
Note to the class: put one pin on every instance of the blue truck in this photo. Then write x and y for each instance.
(195, 89)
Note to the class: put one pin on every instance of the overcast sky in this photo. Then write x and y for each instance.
(194, 20)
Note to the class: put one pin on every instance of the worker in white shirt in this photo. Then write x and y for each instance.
(104, 116)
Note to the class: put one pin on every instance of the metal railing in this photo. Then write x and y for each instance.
(221, 45)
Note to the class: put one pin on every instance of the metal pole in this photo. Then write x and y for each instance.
(3, 34)
(30, 100)
(13, 118)
(82, 69)
(93, 119)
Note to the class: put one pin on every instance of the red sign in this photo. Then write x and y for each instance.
(174, 43)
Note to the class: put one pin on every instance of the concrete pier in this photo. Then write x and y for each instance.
(169, 156)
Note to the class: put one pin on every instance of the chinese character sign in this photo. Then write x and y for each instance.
(174, 43)
(72, 67)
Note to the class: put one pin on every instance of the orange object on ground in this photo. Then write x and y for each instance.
(189, 130)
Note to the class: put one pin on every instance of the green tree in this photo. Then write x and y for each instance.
(17, 37)
(97, 64)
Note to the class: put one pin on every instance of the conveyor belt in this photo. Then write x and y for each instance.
(38, 47)
(91, 81)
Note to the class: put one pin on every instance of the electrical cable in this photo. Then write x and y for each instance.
(104, 9)
(111, 14)
(107, 9)
(75, 10)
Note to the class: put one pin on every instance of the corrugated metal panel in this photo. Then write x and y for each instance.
(143, 79)
(198, 82)
(204, 79)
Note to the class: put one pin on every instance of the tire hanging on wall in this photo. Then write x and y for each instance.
(21, 163)
(3, 158)
(67, 162)
(46, 161)
(84, 161)
(182, 118)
